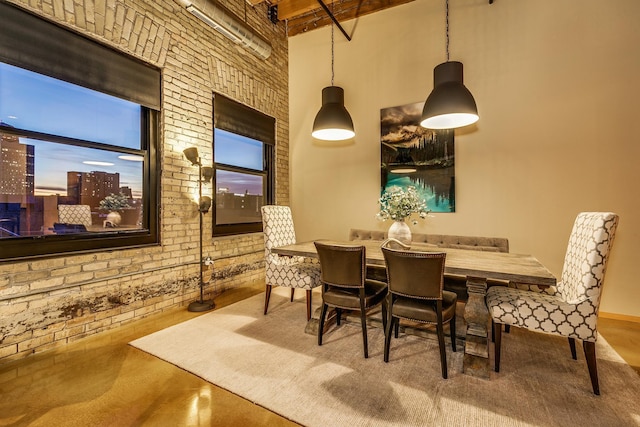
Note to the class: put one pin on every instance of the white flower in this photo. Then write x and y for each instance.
(398, 204)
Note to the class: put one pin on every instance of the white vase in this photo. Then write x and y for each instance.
(399, 230)
(113, 219)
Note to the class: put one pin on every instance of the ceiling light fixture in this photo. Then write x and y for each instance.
(131, 158)
(229, 25)
(97, 163)
(333, 122)
(450, 105)
(403, 163)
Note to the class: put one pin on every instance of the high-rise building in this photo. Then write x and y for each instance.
(16, 185)
(16, 168)
(89, 188)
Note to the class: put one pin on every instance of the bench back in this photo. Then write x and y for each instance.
(489, 244)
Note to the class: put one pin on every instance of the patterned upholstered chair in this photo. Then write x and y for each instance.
(74, 214)
(293, 272)
(571, 308)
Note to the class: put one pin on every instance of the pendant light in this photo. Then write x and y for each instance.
(333, 122)
(450, 105)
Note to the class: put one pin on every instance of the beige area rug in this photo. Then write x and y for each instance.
(271, 361)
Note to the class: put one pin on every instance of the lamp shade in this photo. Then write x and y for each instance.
(207, 173)
(191, 154)
(205, 204)
(333, 122)
(450, 104)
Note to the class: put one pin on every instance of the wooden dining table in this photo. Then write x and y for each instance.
(477, 267)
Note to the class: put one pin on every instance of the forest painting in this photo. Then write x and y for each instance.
(414, 156)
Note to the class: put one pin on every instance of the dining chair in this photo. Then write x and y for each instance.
(74, 214)
(416, 293)
(570, 309)
(346, 287)
(292, 272)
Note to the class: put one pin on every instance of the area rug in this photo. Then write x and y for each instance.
(271, 361)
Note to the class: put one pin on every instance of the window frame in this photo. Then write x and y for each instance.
(35, 44)
(268, 164)
(17, 248)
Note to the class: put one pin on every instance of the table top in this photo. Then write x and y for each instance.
(487, 265)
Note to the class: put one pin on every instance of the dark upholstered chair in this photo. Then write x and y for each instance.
(569, 309)
(293, 272)
(345, 286)
(416, 281)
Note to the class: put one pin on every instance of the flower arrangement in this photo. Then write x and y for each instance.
(114, 202)
(398, 204)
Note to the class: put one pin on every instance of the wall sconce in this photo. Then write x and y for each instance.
(204, 204)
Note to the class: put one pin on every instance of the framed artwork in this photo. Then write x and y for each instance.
(414, 156)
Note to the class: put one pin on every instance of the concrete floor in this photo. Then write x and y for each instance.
(102, 381)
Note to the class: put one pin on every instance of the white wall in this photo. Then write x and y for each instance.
(557, 85)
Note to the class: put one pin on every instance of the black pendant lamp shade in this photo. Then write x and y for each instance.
(333, 122)
(450, 104)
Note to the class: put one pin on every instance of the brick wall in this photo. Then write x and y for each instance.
(50, 302)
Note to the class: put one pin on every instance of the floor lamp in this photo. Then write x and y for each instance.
(204, 204)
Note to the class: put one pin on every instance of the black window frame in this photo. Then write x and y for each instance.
(35, 44)
(234, 117)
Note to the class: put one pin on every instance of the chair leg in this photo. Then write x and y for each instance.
(572, 346)
(396, 328)
(443, 351)
(507, 328)
(497, 331)
(267, 295)
(292, 291)
(387, 337)
(452, 329)
(308, 304)
(384, 315)
(363, 320)
(590, 355)
(323, 314)
(493, 336)
(338, 316)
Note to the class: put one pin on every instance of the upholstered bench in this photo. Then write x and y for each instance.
(454, 283)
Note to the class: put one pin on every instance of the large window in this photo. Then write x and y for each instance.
(243, 151)
(77, 153)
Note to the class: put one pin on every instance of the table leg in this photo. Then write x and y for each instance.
(476, 315)
(312, 325)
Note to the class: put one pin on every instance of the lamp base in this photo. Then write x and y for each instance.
(198, 306)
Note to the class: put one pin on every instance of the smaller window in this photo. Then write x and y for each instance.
(243, 165)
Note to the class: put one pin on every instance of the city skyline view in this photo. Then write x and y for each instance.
(75, 112)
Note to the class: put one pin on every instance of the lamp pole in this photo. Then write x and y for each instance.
(203, 207)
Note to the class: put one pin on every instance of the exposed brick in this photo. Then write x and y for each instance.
(99, 324)
(8, 350)
(34, 342)
(48, 283)
(194, 59)
(68, 332)
(123, 316)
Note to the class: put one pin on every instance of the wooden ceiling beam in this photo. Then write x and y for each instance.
(288, 9)
(343, 11)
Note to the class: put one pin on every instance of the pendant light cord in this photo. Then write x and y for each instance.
(332, 55)
(447, 26)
